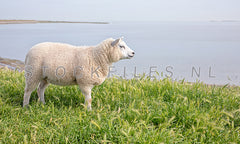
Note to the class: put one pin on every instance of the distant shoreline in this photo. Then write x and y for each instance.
(44, 21)
(12, 64)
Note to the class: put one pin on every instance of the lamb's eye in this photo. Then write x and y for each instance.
(121, 46)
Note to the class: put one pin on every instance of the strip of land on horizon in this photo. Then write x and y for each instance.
(44, 21)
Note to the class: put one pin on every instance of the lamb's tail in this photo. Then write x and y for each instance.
(26, 59)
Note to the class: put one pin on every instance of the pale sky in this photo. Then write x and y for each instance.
(121, 10)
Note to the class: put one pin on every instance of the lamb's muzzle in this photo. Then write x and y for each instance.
(64, 64)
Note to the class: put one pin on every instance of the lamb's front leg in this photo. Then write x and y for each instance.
(87, 93)
(88, 101)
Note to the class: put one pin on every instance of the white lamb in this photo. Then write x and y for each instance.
(64, 64)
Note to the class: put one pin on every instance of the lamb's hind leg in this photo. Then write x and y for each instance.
(29, 87)
(41, 88)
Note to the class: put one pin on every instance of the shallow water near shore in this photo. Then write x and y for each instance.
(205, 51)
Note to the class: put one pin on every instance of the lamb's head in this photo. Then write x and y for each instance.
(119, 50)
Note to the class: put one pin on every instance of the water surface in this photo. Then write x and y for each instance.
(205, 51)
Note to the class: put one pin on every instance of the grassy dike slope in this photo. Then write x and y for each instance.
(124, 111)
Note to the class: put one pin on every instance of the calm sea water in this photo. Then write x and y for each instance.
(205, 51)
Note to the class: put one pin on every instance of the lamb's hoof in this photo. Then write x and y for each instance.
(26, 106)
(42, 102)
(89, 108)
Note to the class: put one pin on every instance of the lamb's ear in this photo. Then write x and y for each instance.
(115, 42)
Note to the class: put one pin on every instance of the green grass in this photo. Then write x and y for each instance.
(124, 111)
